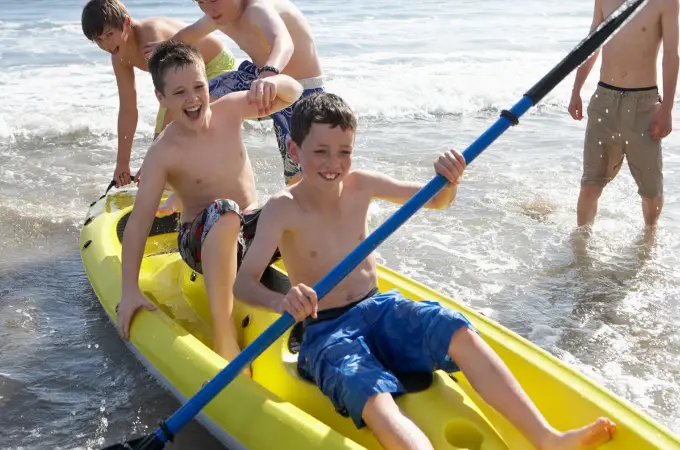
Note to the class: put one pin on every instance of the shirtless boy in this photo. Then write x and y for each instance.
(315, 224)
(202, 157)
(108, 24)
(277, 38)
(626, 114)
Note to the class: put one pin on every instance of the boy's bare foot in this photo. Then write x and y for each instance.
(586, 438)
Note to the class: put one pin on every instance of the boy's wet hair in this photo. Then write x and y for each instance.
(98, 14)
(320, 107)
(171, 55)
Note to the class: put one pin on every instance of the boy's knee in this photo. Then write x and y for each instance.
(229, 221)
(380, 406)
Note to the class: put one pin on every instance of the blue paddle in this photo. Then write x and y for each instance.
(576, 57)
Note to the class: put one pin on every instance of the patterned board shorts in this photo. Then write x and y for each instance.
(192, 234)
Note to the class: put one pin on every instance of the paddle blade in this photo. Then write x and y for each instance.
(149, 442)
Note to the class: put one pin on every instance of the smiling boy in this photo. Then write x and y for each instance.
(109, 25)
(277, 38)
(202, 157)
(358, 337)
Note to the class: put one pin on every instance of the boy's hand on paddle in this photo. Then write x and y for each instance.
(147, 49)
(263, 93)
(129, 304)
(300, 302)
(450, 165)
(576, 106)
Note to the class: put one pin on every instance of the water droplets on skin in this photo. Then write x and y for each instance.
(599, 119)
(606, 111)
(599, 142)
(626, 142)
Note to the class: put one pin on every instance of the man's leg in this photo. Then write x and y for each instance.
(219, 259)
(651, 210)
(602, 152)
(588, 201)
(490, 377)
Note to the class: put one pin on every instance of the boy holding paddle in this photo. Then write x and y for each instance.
(202, 157)
(358, 337)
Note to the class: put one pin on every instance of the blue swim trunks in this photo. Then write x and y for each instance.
(352, 357)
(240, 80)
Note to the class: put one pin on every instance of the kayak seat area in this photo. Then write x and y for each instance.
(161, 225)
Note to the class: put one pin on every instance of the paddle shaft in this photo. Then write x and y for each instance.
(575, 58)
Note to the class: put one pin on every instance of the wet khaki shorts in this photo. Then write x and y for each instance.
(619, 124)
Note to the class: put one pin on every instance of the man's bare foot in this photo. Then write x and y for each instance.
(586, 438)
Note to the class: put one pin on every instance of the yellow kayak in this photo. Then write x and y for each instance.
(278, 409)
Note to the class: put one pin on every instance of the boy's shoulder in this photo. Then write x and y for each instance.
(166, 141)
(362, 178)
(280, 206)
(282, 200)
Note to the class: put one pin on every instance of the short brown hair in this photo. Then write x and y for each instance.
(98, 14)
(320, 107)
(172, 54)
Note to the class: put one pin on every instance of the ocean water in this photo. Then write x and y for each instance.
(423, 77)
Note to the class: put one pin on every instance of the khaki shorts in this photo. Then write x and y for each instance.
(619, 124)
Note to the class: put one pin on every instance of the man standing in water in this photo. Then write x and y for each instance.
(626, 114)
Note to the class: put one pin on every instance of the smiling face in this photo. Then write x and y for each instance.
(107, 23)
(325, 154)
(185, 95)
(112, 39)
(221, 11)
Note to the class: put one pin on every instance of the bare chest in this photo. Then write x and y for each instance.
(323, 239)
(251, 41)
(207, 169)
(643, 30)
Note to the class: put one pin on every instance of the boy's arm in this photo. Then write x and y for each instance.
(266, 96)
(127, 120)
(584, 69)
(396, 191)
(275, 33)
(662, 122)
(247, 287)
(451, 165)
(196, 31)
(135, 235)
(189, 34)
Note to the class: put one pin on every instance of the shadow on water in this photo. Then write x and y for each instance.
(66, 378)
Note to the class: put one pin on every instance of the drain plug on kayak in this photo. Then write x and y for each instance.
(246, 321)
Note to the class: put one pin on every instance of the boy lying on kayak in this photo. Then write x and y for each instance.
(276, 37)
(202, 157)
(109, 25)
(357, 337)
